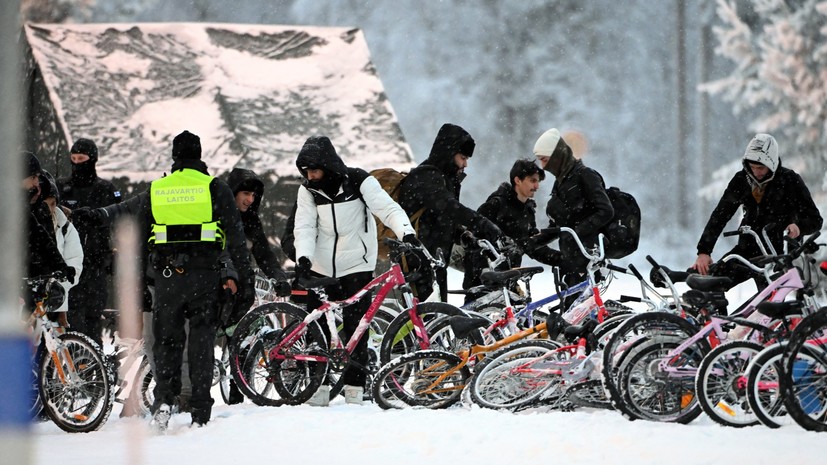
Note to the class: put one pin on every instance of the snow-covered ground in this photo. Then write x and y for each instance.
(346, 434)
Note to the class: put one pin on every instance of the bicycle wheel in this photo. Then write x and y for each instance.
(518, 373)
(376, 332)
(146, 382)
(427, 378)
(276, 382)
(224, 374)
(76, 393)
(804, 378)
(652, 394)
(721, 384)
(763, 390)
(631, 333)
(400, 337)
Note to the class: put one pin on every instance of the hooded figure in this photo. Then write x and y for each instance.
(770, 195)
(578, 201)
(435, 186)
(335, 236)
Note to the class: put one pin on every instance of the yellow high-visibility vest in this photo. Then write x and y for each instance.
(182, 208)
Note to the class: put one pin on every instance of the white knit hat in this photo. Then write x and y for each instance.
(762, 149)
(547, 142)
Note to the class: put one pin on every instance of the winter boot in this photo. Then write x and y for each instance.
(160, 420)
(236, 397)
(354, 394)
(320, 398)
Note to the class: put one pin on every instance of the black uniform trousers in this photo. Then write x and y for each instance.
(191, 295)
(87, 299)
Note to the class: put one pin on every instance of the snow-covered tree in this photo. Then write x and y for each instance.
(780, 56)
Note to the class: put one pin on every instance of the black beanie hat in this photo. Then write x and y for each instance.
(86, 147)
(186, 146)
(31, 165)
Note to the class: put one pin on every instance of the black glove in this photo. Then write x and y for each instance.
(303, 267)
(69, 274)
(508, 246)
(283, 289)
(411, 239)
(88, 216)
(542, 238)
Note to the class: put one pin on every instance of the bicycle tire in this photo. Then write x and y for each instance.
(804, 377)
(146, 382)
(85, 403)
(400, 338)
(267, 382)
(496, 385)
(763, 387)
(652, 395)
(631, 333)
(721, 387)
(408, 381)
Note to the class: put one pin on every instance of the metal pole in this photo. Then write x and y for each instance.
(15, 347)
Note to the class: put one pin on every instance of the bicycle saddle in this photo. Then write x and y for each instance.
(492, 278)
(778, 310)
(709, 283)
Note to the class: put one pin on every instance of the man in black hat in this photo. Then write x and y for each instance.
(85, 189)
(190, 217)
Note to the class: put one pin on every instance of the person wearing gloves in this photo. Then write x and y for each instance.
(335, 236)
(769, 194)
(578, 201)
(433, 188)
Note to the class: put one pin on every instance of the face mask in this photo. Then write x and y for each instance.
(83, 171)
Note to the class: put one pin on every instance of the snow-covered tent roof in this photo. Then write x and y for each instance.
(253, 93)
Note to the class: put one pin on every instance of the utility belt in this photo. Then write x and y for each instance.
(167, 264)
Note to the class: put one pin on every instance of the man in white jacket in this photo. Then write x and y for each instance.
(336, 237)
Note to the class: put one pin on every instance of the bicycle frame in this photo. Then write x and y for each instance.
(777, 291)
(387, 281)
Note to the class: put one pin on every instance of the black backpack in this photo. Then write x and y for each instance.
(623, 232)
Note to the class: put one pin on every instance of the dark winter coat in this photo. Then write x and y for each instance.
(263, 253)
(516, 219)
(786, 200)
(43, 255)
(93, 192)
(435, 186)
(579, 201)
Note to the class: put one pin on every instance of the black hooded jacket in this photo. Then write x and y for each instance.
(517, 220)
(578, 201)
(263, 253)
(786, 200)
(435, 186)
(88, 190)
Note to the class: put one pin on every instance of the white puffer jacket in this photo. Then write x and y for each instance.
(339, 237)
